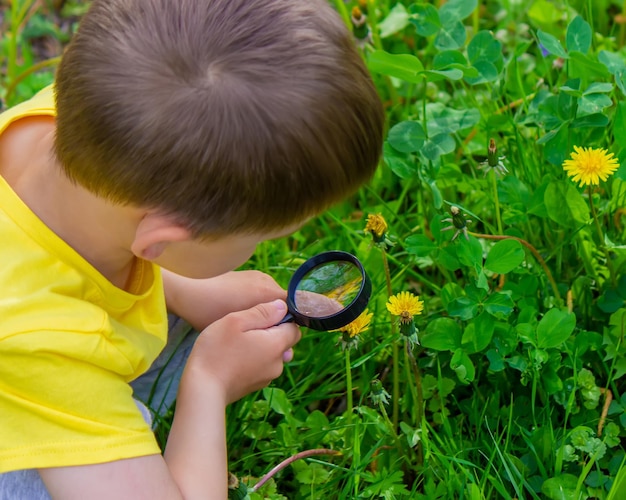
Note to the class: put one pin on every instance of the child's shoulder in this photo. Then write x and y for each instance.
(21, 127)
(41, 103)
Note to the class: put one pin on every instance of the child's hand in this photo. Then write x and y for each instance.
(201, 302)
(243, 351)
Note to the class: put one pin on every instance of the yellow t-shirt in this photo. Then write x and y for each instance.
(70, 341)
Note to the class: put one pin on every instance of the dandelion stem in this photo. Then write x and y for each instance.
(494, 183)
(395, 351)
(392, 431)
(542, 263)
(349, 400)
(420, 397)
(602, 244)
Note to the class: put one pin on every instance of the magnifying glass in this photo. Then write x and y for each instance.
(328, 291)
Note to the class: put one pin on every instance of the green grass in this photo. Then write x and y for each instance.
(522, 336)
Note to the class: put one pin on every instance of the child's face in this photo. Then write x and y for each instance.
(208, 258)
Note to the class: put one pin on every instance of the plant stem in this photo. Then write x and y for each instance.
(420, 397)
(494, 183)
(290, 460)
(395, 351)
(349, 400)
(11, 86)
(607, 254)
(392, 430)
(533, 250)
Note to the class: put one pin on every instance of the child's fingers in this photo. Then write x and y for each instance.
(261, 316)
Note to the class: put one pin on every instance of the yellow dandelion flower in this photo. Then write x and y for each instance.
(376, 224)
(359, 325)
(588, 165)
(405, 305)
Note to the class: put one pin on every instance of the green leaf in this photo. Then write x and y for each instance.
(403, 66)
(551, 44)
(565, 205)
(456, 10)
(562, 487)
(614, 62)
(527, 333)
(470, 253)
(499, 305)
(425, 18)
(487, 72)
(505, 256)
(463, 366)
(597, 120)
(464, 308)
(599, 87)
(587, 67)
(448, 58)
(445, 120)
(438, 145)
(619, 123)
(400, 164)
(420, 245)
(478, 333)
(484, 47)
(578, 35)
(556, 142)
(278, 400)
(590, 104)
(610, 301)
(555, 327)
(620, 80)
(451, 36)
(448, 259)
(545, 13)
(407, 136)
(496, 361)
(310, 473)
(449, 292)
(447, 74)
(442, 334)
(397, 20)
(551, 380)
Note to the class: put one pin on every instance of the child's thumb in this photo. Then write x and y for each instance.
(266, 315)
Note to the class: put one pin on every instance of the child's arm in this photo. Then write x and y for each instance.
(202, 301)
(238, 354)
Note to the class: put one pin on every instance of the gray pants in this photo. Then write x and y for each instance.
(154, 393)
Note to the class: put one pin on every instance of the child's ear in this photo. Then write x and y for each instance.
(154, 233)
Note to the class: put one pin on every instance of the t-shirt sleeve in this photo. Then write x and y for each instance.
(60, 409)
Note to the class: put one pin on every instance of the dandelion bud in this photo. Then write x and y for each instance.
(492, 154)
(494, 162)
(407, 328)
(378, 394)
(359, 25)
(458, 220)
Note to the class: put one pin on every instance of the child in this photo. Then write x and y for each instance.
(178, 135)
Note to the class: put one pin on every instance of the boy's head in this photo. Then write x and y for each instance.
(233, 116)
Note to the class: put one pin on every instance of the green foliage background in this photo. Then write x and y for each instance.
(516, 388)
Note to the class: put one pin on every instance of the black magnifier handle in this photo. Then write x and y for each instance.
(287, 319)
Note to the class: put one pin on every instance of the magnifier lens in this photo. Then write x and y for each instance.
(328, 289)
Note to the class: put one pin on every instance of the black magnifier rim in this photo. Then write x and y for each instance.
(342, 318)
